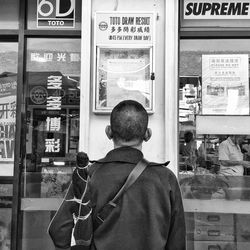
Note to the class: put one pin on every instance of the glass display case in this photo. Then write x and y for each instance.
(124, 52)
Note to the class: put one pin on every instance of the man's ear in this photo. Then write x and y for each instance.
(108, 132)
(148, 134)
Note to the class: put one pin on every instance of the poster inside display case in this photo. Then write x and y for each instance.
(124, 66)
(123, 74)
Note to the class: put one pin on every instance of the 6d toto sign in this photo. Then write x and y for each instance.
(55, 14)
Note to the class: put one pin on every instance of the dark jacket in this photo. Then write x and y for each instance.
(149, 216)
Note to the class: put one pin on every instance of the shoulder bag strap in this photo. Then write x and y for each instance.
(107, 209)
(133, 176)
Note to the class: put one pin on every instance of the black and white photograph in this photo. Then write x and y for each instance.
(124, 125)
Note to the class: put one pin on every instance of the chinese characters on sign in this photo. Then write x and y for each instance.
(50, 132)
(54, 102)
(52, 145)
(53, 124)
(39, 92)
(225, 87)
(120, 28)
(49, 56)
(55, 14)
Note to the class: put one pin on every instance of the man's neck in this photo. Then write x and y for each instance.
(132, 144)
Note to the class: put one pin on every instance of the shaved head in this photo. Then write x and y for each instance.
(129, 121)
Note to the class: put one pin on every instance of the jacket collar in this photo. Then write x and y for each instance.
(123, 154)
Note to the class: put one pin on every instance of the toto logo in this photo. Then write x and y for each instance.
(56, 13)
(103, 26)
(38, 95)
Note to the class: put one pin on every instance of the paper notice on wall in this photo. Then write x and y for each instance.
(225, 87)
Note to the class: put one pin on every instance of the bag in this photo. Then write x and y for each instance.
(73, 214)
(83, 229)
(62, 224)
(60, 228)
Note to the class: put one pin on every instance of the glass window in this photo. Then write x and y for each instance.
(214, 142)
(9, 14)
(6, 194)
(56, 15)
(8, 86)
(52, 114)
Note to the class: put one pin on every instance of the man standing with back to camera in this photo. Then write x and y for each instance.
(149, 215)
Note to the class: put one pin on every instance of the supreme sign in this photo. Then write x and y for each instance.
(217, 9)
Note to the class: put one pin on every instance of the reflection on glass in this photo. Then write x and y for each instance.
(52, 133)
(9, 14)
(6, 194)
(34, 230)
(53, 98)
(5, 228)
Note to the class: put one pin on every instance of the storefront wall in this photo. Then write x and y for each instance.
(59, 117)
(47, 140)
(98, 142)
(213, 114)
(54, 122)
(217, 208)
